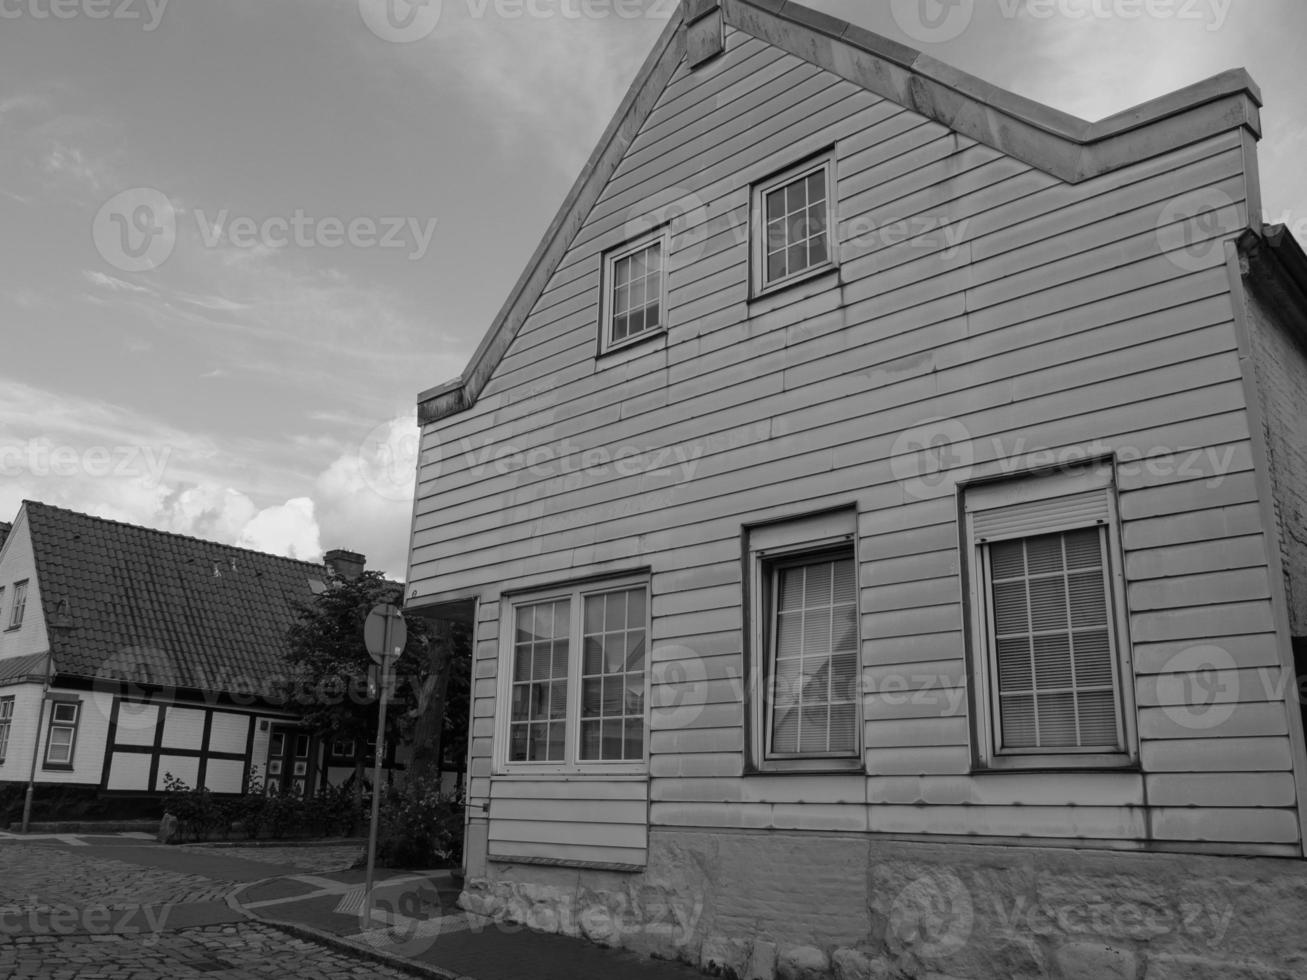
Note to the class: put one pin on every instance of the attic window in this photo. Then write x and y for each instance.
(20, 605)
(634, 291)
(793, 218)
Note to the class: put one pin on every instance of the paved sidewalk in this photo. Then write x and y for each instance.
(414, 920)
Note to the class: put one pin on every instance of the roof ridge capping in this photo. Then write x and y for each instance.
(1056, 142)
(38, 505)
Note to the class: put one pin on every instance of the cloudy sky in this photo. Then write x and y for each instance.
(336, 202)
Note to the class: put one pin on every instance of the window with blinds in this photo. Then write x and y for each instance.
(813, 656)
(1051, 630)
(1047, 629)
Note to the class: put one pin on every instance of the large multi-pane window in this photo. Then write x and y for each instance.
(1051, 655)
(6, 721)
(578, 677)
(635, 290)
(794, 214)
(804, 686)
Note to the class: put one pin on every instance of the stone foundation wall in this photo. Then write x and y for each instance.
(811, 907)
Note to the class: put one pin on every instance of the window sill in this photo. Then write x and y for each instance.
(806, 767)
(56, 767)
(1058, 764)
(821, 278)
(629, 351)
(565, 775)
(565, 863)
(13, 629)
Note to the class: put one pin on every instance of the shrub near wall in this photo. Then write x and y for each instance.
(73, 803)
(201, 815)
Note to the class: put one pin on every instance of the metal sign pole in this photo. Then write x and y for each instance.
(377, 762)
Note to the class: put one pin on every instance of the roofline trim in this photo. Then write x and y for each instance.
(461, 393)
(1048, 139)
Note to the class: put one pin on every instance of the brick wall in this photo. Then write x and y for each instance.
(1281, 366)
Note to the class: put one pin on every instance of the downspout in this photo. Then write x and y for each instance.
(36, 742)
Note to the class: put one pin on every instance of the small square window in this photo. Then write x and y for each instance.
(634, 291)
(793, 225)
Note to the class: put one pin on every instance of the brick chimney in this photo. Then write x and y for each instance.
(344, 564)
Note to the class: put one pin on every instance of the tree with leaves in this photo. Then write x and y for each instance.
(331, 664)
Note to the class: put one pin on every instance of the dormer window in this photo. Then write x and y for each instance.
(793, 218)
(634, 291)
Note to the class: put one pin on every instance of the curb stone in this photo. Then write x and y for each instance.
(340, 943)
(264, 842)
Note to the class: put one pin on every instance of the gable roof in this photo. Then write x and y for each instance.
(129, 603)
(1058, 143)
(5, 528)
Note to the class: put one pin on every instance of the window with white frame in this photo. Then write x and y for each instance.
(805, 634)
(793, 221)
(62, 739)
(6, 721)
(576, 674)
(20, 605)
(634, 291)
(1048, 630)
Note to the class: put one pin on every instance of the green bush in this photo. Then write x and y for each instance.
(420, 826)
(201, 815)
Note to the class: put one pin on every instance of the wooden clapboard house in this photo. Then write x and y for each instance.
(128, 654)
(869, 454)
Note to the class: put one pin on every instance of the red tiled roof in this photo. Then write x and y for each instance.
(151, 607)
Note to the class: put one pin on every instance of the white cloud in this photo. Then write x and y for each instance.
(366, 495)
(290, 529)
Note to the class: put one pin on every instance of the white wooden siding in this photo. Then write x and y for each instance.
(1051, 322)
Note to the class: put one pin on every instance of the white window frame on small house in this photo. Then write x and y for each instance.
(615, 304)
(6, 723)
(777, 549)
(575, 724)
(766, 226)
(65, 717)
(19, 607)
(1057, 531)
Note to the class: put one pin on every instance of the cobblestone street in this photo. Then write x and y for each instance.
(123, 910)
(232, 952)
